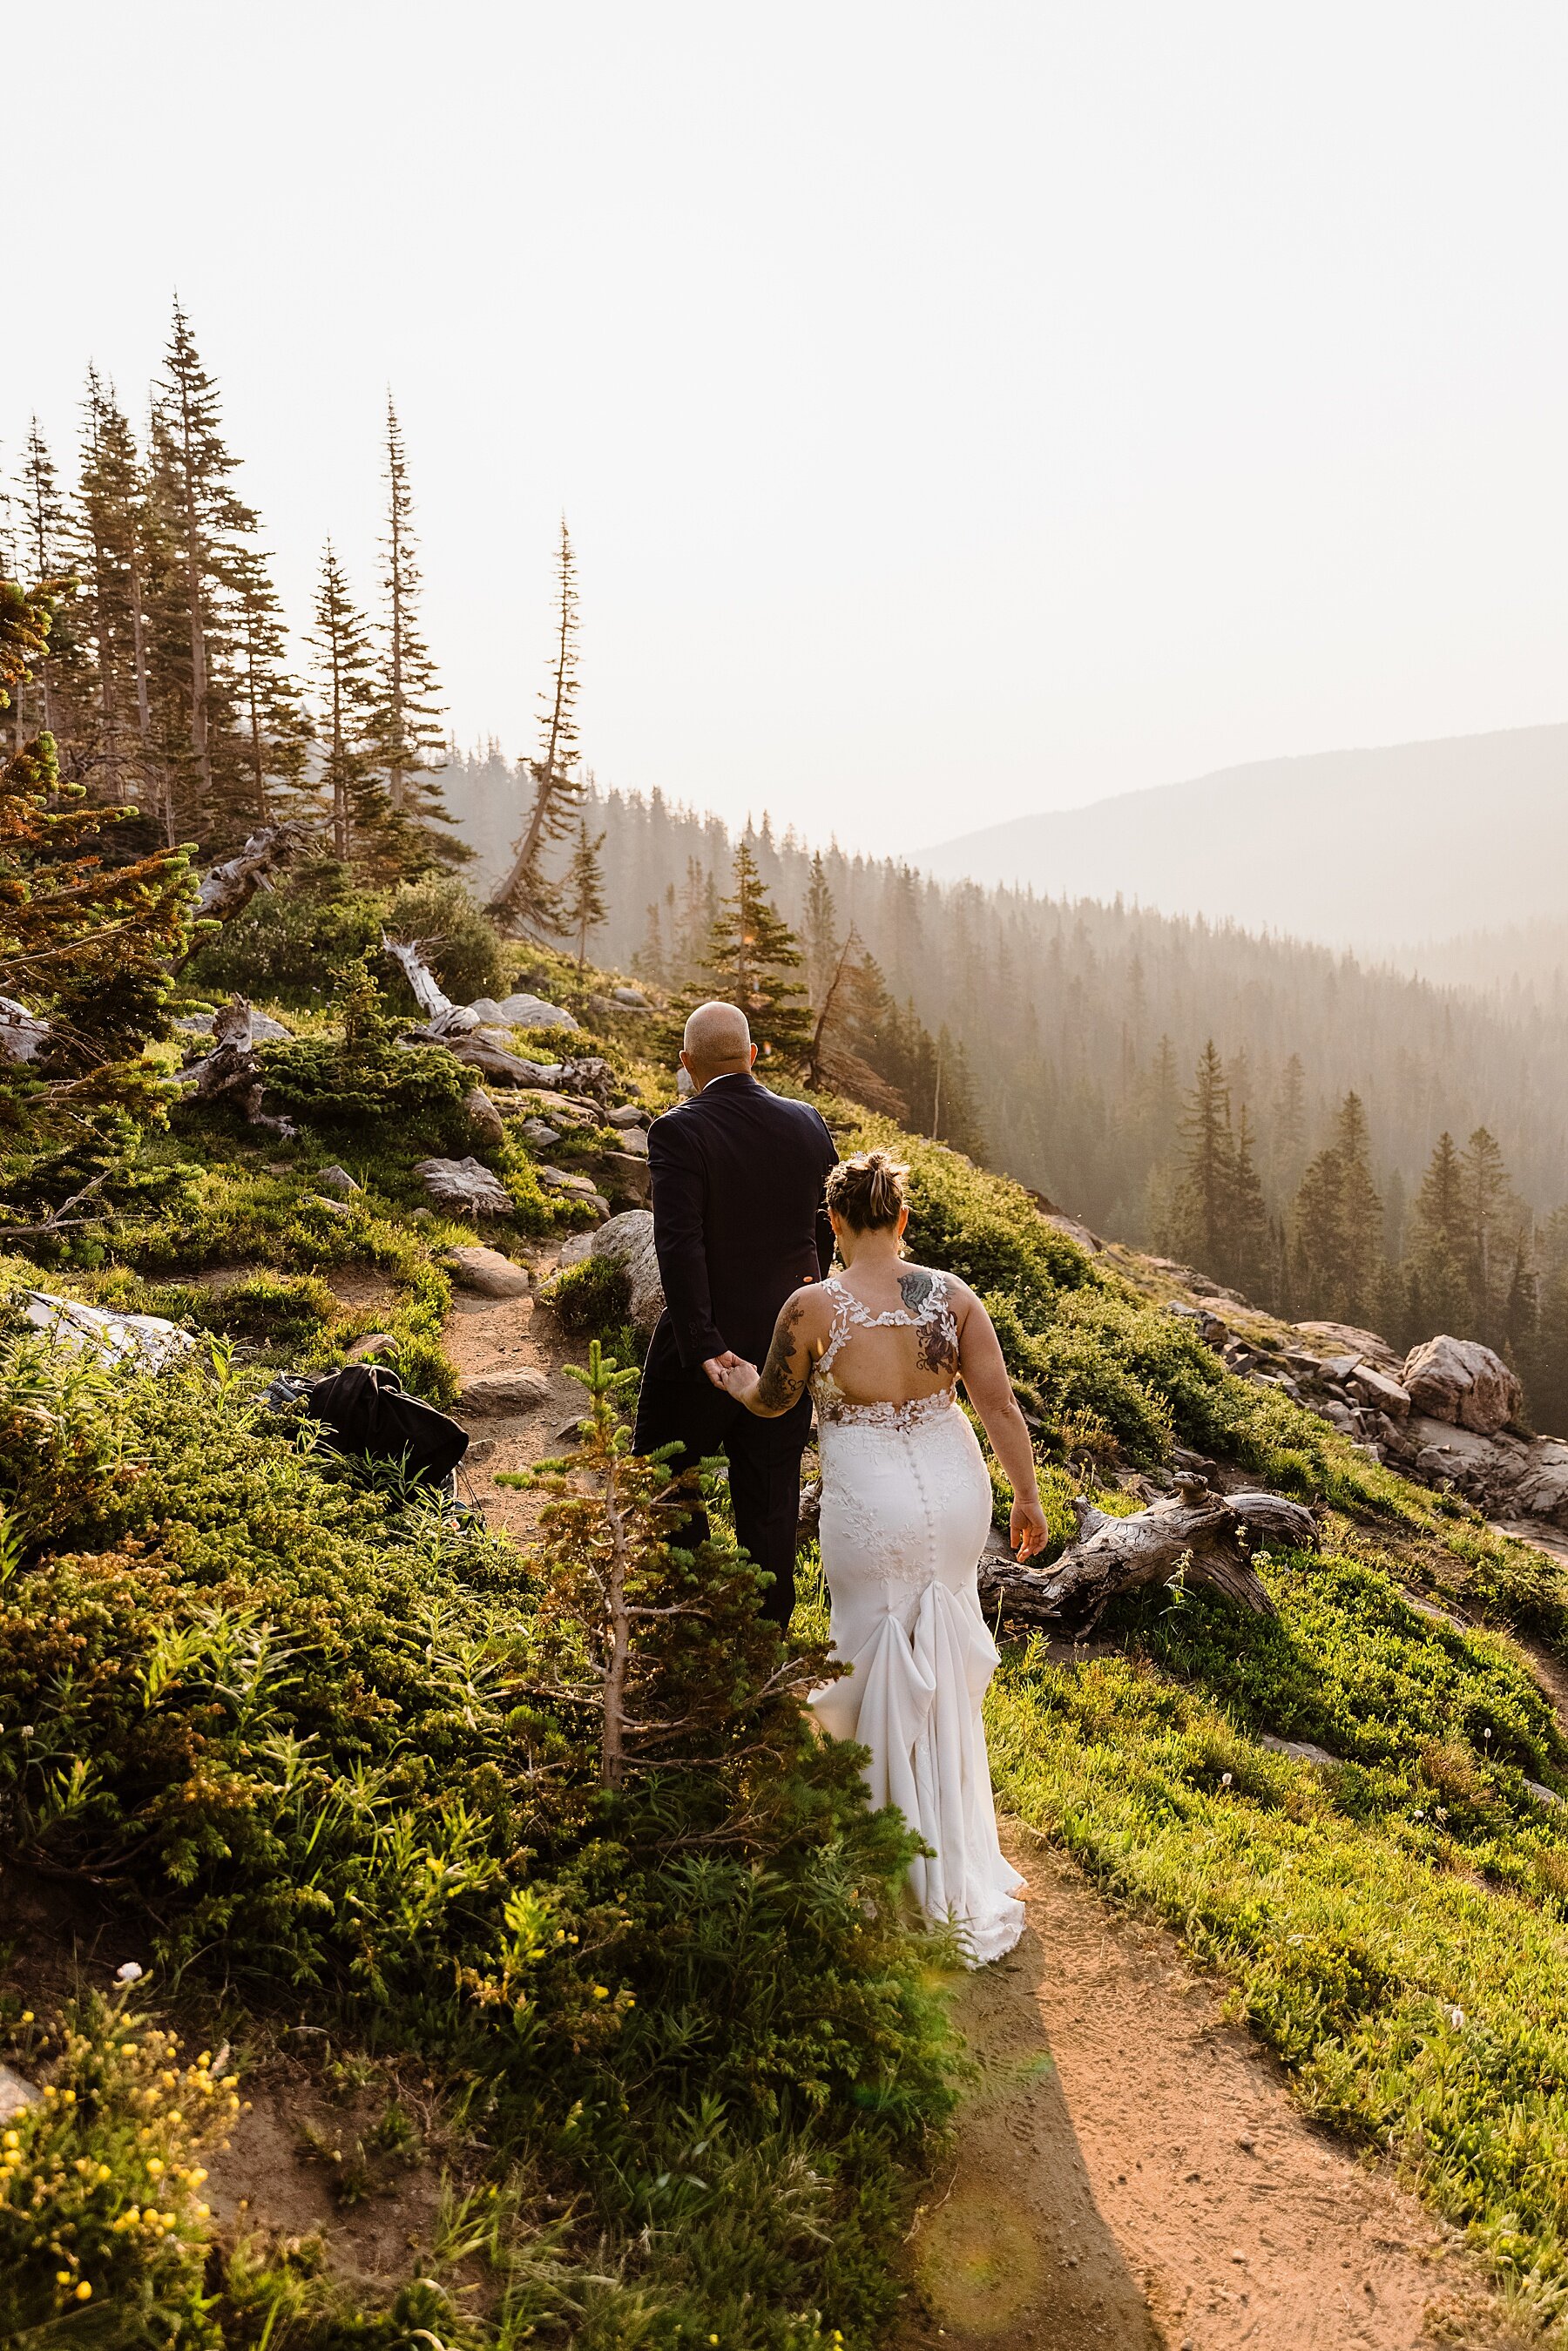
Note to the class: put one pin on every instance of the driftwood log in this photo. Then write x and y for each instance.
(232, 1068)
(1206, 1536)
(228, 888)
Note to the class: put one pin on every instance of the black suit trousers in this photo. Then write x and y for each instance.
(683, 1407)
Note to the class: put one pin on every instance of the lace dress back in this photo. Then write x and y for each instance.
(905, 1508)
(933, 1318)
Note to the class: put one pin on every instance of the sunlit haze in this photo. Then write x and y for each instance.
(959, 413)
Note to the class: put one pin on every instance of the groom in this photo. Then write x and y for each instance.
(738, 1223)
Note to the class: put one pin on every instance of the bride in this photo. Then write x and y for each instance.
(907, 1503)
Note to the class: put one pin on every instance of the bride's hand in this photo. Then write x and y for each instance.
(1028, 1532)
(738, 1378)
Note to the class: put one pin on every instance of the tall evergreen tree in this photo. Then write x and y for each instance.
(751, 959)
(275, 726)
(346, 689)
(1492, 1223)
(820, 933)
(203, 522)
(528, 896)
(1205, 1198)
(584, 908)
(411, 747)
(1252, 1264)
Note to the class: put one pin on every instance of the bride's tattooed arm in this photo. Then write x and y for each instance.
(788, 1366)
(939, 1345)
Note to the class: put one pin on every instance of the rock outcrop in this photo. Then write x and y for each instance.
(1462, 1383)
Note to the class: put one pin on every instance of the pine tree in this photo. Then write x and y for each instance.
(203, 522)
(751, 957)
(820, 933)
(1205, 1195)
(648, 962)
(1361, 1214)
(1251, 1259)
(345, 675)
(46, 554)
(411, 742)
(275, 726)
(1491, 1222)
(583, 904)
(528, 897)
(116, 530)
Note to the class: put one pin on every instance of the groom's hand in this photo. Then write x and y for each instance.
(716, 1366)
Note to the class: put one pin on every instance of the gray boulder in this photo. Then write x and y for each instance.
(484, 1118)
(522, 1012)
(523, 1390)
(487, 1271)
(1462, 1383)
(1375, 1389)
(629, 1240)
(467, 1186)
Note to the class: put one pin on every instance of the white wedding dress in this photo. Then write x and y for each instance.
(907, 1503)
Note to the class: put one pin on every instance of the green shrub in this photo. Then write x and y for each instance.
(289, 943)
(461, 945)
(590, 1299)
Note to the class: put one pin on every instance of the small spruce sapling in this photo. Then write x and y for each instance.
(659, 1643)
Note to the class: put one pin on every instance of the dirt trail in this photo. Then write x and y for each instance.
(504, 1334)
(1131, 2172)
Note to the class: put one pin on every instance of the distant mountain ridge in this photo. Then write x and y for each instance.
(1371, 848)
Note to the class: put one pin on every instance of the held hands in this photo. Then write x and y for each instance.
(734, 1374)
(1028, 1532)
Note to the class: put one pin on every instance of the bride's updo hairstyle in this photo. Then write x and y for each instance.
(868, 1192)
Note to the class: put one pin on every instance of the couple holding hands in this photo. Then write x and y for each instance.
(750, 1202)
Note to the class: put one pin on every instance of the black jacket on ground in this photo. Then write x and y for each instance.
(738, 1219)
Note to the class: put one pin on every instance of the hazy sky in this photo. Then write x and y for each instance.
(959, 411)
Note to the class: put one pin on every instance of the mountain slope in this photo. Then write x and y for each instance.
(1364, 847)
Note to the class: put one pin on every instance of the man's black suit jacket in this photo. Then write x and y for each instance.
(738, 1219)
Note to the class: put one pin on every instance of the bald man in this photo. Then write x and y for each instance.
(738, 1223)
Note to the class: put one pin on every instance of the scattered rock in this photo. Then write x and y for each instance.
(1344, 1338)
(561, 1179)
(1384, 1395)
(579, 1245)
(632, 999)
(488, 1272)
(145, 1339)
(1541, 1792)
(634, 1141)
(522, 1012)
(540, 1136)
(523, 1390)
(484, 1118)
(338, 1179)
(1300, 1750)
(374, 1342)
(15, 2093)
(629, 1240)
(1543, 1489)
(338, 1208)
(628, 1114)
(466, 1184)
(1462, 1383)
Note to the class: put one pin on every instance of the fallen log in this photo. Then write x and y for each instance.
(232, 1068)
(228, 888)
(447, 1021)
(1206, 1536)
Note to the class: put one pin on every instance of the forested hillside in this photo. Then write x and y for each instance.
(1074, 1041)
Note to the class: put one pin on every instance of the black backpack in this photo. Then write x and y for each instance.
(367, 1412)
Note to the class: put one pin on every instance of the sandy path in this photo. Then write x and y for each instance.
(1132, 2173)
(498, 1334)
